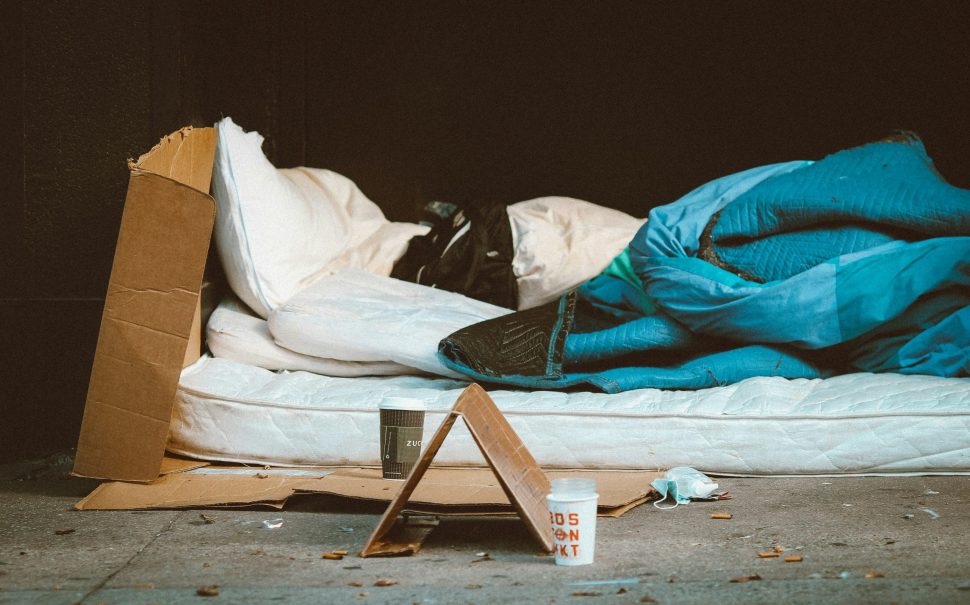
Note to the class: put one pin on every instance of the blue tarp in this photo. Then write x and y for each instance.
(857, 262)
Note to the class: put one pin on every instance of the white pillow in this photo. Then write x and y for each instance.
(561, 242)
(278, 231)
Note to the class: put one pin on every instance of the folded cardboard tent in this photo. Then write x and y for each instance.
(141, 401)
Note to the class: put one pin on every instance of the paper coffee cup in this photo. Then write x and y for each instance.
(402, 433)
(572, 512)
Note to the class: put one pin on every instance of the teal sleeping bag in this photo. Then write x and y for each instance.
(856, 262)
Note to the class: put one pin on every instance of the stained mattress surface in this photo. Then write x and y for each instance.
(851, 424)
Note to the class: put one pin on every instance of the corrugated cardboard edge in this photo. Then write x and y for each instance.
(150, 309)
(517, 472)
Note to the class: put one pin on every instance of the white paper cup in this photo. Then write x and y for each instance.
(402, 435)
(572, 513)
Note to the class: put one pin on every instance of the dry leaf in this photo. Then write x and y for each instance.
(211, 590)
(742, 579)
(385, 582)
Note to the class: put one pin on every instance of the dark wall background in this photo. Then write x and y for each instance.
(626, 104)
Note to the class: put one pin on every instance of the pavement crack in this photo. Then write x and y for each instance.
(126, 564)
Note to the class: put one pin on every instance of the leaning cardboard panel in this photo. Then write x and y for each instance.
(150, 309)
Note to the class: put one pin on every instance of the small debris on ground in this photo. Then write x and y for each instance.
(64, 532)
(793, 559)
(272, 523)
(722, 516)
(768, 554)
(341, 552)
(622, 590)
(207, 519)
(472, 586)
(586, 593)
(908, 516)
(211, 590)
(345, 529)
(355, 584)
(647, 600)
(331, 556)
(483, 557)
(262, 476)
(932, 513)
(385, 582)
(873, 574)
(743, 579)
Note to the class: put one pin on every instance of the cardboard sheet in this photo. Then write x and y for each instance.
(150, 309)
(444, 491)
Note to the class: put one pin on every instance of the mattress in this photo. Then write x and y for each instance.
(851, 424)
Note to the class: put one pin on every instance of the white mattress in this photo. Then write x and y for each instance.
(853, 424)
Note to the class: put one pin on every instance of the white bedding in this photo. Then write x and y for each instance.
(853, 424)
(282, 235)
(359, 316)
(234, 332)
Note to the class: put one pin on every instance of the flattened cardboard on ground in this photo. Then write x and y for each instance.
(442, 491)
(477, 491)
(516, 470)
(151, 309)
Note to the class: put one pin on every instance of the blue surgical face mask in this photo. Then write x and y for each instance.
(680, 484)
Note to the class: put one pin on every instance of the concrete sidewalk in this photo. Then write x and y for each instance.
(862, 540)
